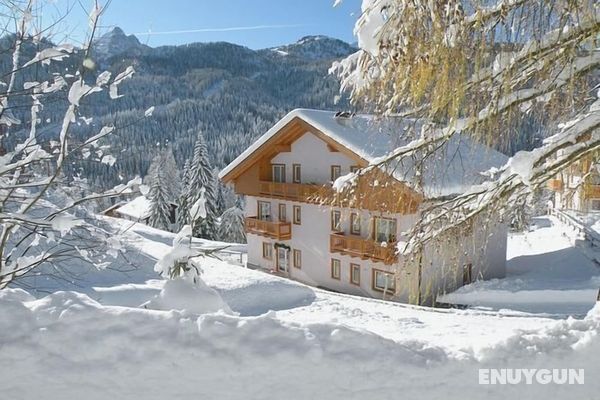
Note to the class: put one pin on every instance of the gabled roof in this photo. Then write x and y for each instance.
(450, 169)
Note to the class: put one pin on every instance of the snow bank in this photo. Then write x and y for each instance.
(187, 297)
(68, 346)
(250, 292)
(545, 274)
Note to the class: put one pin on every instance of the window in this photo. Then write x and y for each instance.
(355, 274)
(297, 215)
(385, 230)
(354, 168)
(595, 205)
(264, 210)
(297, 173)
(278, 173)
(282, 213)
(335, 268)
(297, 258)
(336, 219)
(267, 251)
(355, 224)
(336, 172)
(383, 281)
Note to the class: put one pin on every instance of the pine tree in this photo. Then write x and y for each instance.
(219, 196)
(200, 176)
(165, 161)
(169, 165)
(231, 228)
(183, 205)
(160, 205)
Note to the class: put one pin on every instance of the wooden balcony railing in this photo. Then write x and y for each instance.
(274, 230)
(591, 191)
(363, 248)
(307, 193)
(555, 185)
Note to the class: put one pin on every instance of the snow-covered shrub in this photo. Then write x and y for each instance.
(193, 297)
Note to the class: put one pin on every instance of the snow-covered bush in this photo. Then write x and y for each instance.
(193, 297)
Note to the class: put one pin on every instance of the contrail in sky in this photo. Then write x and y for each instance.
(229, 29)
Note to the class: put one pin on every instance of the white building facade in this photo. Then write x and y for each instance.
(349, 246)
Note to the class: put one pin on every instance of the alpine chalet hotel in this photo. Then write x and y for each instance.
(298, 226)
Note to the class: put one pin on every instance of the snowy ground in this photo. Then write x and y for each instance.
(546, 273)
(281, 339)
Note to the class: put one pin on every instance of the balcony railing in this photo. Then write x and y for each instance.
(307, 193)
(274, 230)
(363, 248)
(592, 191)
(555, 185)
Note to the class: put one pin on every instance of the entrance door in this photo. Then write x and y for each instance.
(282, 259)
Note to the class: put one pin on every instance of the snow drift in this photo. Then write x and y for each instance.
(188, 297)
(72, 346)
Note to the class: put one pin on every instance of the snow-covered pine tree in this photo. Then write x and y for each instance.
(201, 177)
(171, 173)
(165, 161)
(231, 228)
(182, 203)
(160, 205)
(219, 196)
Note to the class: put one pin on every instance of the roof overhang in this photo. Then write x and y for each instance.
(278, 139)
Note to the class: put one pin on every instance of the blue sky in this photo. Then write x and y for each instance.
(264, 23)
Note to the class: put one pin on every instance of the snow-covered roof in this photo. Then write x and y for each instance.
(451, 169)
(138, 208)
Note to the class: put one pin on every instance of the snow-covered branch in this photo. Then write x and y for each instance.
(38, 223)
(475, 70)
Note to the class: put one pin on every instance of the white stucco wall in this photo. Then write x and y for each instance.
(315, 159)
(444, 260)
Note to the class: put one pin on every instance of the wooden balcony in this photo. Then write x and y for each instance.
(555, 185)
(302, 192)
(273, 230)
(364, 248)
(591, 191)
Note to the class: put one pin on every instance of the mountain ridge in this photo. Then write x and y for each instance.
(116, 42)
